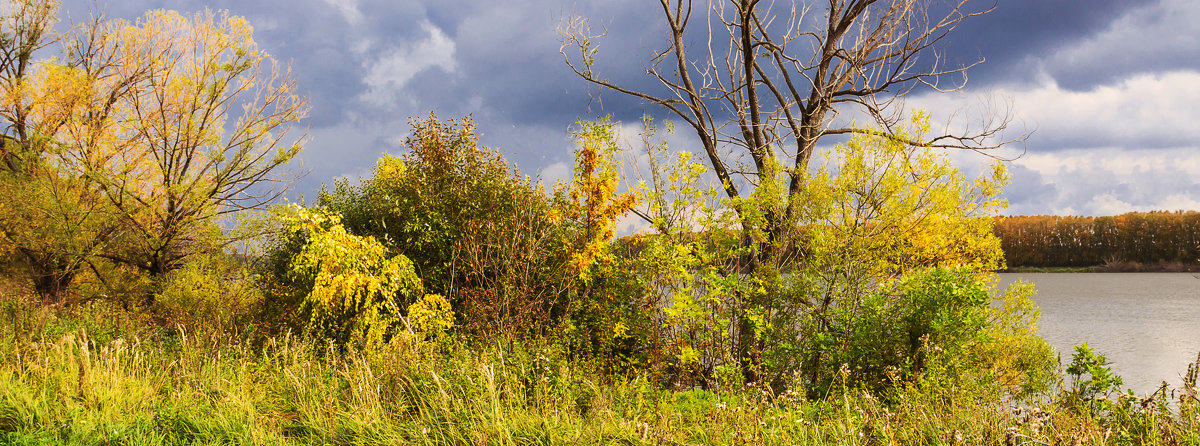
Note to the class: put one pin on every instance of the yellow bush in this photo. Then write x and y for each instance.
(431, 315)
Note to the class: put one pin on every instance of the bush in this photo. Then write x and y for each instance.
(1093, 383)
(938, 321)
(344, 288)
(213, 292)
(476, 231)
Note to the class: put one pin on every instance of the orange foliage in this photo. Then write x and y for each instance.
(1056, 241)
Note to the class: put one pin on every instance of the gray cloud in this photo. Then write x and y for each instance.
(1018, 35)
(1103, 76)
(1151, 38)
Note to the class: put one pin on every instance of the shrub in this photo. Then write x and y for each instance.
(345, 287)
(476, 231)
(212, 292)
(938, 321)
(1093, 383)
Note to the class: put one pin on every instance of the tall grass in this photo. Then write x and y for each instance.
(102, 376)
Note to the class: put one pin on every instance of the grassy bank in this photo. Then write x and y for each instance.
(98, 375)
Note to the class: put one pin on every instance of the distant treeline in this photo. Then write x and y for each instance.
(1145, 238)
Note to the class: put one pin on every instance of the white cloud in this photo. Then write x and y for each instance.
(1114, 161)
(348, 9)
(387, 75)
(1112, 204)
(553, 174)
(1148, 107)
(1106, 181)
(1120, 147)
(1145, 111)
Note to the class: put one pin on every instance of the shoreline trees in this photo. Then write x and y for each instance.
(1146, 238)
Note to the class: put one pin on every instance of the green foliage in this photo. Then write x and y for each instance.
(728, 288)
(1093, 383)
(881, 209)
(896, 331)
(353, 290)
(477, 233)
(60, 384)
(424, 202)
(691, 288)
(213, 293)
(1011, 354)
(940, 326)
(53, 225)
(602, 321)
(1095, 395)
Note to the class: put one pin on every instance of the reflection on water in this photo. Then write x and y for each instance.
(1147, 324)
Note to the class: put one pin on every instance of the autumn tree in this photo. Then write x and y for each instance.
(477, 231)
(881, 211)
(877, 210)
(211, 125)
(135, 138)
(760, 84)
(53, 220)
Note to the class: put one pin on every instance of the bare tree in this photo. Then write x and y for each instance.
(769, 83)
(768, 80)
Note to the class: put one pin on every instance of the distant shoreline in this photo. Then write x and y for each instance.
(1115, 267)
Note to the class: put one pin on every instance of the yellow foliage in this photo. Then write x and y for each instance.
(431, 315)
(355, 284)
(882, 207)
(593, 197)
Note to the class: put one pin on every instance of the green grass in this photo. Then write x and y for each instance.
(99, 376)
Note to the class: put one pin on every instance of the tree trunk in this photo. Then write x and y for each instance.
(51, 278)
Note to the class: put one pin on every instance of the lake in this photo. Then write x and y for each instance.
(1146, 324)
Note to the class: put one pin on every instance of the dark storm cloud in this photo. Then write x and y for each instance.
(1018, 34)
(1081, 44)
(1154, 38)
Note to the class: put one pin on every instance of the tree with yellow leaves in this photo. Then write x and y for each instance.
(53, 219)
(212, 120)
(879, 210)
(593, 200)
(137, 138)
(878, 213)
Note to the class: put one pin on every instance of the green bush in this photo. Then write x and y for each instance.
(936, 322)
(213, 292)
(476, 231)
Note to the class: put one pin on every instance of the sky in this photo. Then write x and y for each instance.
(1107, 91)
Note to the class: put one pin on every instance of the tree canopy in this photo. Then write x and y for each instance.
(136, 137)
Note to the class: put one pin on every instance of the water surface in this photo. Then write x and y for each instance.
(1146, 324)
